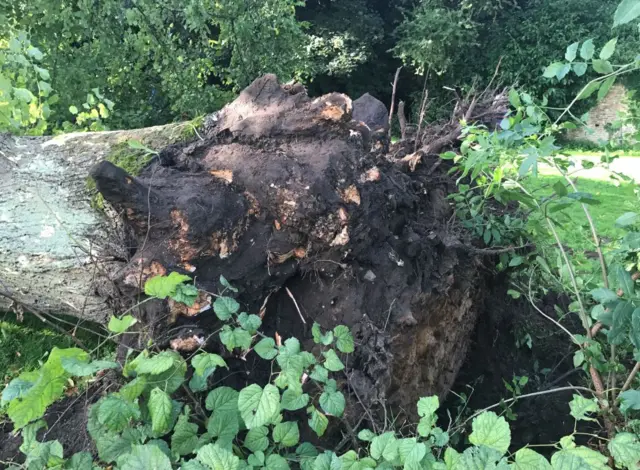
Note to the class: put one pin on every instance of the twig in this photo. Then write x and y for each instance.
(393, 98)
(629, 380)
(296, 304)
(488, 251)
(423, 109)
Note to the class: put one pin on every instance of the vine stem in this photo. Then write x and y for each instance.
(629, 380)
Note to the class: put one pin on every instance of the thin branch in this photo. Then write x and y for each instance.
(629, 381)
(393, 98)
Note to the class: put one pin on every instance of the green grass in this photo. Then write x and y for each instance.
(23, 345)
(571, 152)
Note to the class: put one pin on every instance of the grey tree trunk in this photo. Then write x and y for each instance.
(56, 250)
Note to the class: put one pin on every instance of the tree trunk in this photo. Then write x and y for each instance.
(288, 199)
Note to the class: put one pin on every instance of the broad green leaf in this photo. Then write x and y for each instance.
(133, 389)
(605, 87)
(146, 457)
(587, 50)
(628, 10)
(184, 439)
(276, 462)
(332, 403)
(579, 68)
(256, 439)
(440, 438)
(588, 90)
(80, 461)
(627, 219)
(116, 413)
(224, 425)
(318, 422)
(630, 400)
(608, 49)
(634, 334)
(481, 458)
(332, 361)
(319, 374)
(581, 406)
(225, 307)
(224, 283)
(160, 410)
(205, 363)
(186, 294)
(193, 465)
(162, 287)
(258, 406)
(603, 296)
(256, 459)
(15, 389)
(327, 461)
(492, 431)
(514, 98)
(217, 458)
(572, 52)
(625, 449)
(385, 446)
(293, 400)
(410, 451)
(427, 407)
(222, 399)
(266, 348)
(527, 459)
(622, 316)
(602, 67)
(306, 450)
(563, 71)
(235, 338)
(157, 363)
(23, 94)
(251, 323)
(73, 110)
(560, 189)
(79, 368)
(553, 69)
(120, 325)
(344, 340)
(286, 434)
(366, 435)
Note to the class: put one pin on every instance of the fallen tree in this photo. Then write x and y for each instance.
(288, 198)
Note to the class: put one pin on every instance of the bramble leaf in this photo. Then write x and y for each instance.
(344, 340)
(318, 422)
(162, 287)
(217, 458)
(120, 325)
(258, 406)
(492, 431)
(256, 439)
(225, 307)
(160, 410)
(266, 348)
(286, 434)
(332, 362)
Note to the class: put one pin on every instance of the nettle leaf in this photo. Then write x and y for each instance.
(385, 446)
(344, 339)
(319, 337)
(587, 50)
(625, 449)
(225, 307)
(226, 284)
(628, 10)
(293, 400)
(224, 425)
(145, 457)
(427, 407)
(286, 434)
(327, 461)
(193, 465)
(256, 459)
(251, 323)
(319, 374)
(266, 348)
(256, 439)
(133, 389)
(332, 402)
(259, 406)
(184, 439)
(80, 368)
(630, 400)
(492, 431)
(276, 462)
(527, 459)
(332, 362)
(162, 287)
(318, 422)
(217, 458)
(205, 364)
(157, 363)
(120, 325)
(581, 406)
(160, 410)
(115, 413)
(572, 52)
(235, 338)
(186, 294)
(222, 399)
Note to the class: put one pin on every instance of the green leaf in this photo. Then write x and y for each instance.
(605, 87)
(622, 316)
(120, 325)
(222, 399)
(251, 323)
(563, 71)
(427, 407)
(581, 406)
(256, 459)
(344, 340)
(73, 110)
(217, 458)
(332, 361)
(162, 287)
(287, 434)
(319, 374)
(628, 10)
(80, 461)
(306, 450)
(602, 67)
(588, 90)
(635, 328)
(22, 94)
(157, 363)
(256, 439)
(560, 189)
(145, 457)
(205, 364)
(385, 446)
(514, 98)
(332, 402)
(186, 294)
(527, 459)
(608, 49)
(15, 389)
(133, 389)
(627, 219)
(184, 439)
(320, 338)
(225, 307)
(293, 400)
(259, 406)
(630, 400)
(226, 285)
(579, 68)
(160, 409)
(603, 295)
(235, 338)
(492, 431)
(266, 348)
(625, 449)
(366, 435)
(587, 50)
(625, 282)
(116, 413)
(276, 462)
(79, 368)
(318, 422)
(572, 52)
(225, 426)
(327, 461)
(193, 465)
(553, 69)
